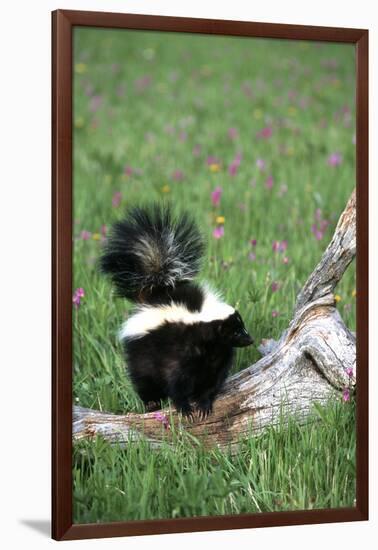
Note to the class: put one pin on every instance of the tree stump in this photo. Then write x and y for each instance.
(314, 359)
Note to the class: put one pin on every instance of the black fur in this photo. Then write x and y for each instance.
(150, 252)
(187, 363)
(152, 259)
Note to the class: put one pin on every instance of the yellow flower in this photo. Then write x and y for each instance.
(354, 293)
(338, 298)
(96, 236)
(165, 189)
(257, 113)
(80, 68)
(292, 111)
(79, 122)
(214, 167)
(220, 219)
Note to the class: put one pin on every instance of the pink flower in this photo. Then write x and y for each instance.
(233, 133)
(233, 168)
(349, 372)
(261, 164)
(182, 136)
(346, 395)
(218, 232)
(103, 231)
(178, 175)
(265, 133)
(161, 417)
(196, 150)
(128, 170)
(335, 159)
(85, 235)
(269, 182)
(216, 196)
(95, 103)
(285, 260)
(275, 286)
(253, 242)
(212, 160)
(279, 246)
(77, 296)
(252, 256)
(275, 313)
(116, 200)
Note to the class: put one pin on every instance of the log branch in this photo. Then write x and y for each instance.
(314, 359)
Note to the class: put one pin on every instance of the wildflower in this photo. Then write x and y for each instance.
(261, 165)
(212, 160)
(274, 286)
(96, 236)
(128, 171)
(95, 103)
(182, 136)
(216, 196)
(178, 175)
(252, 256)
(265, 133)
(346, 395)
(283, 190)
(196, 150)
(253, 242)
(77, 296)
(349, 372)
(80, 68)
(220, 219)
(354, 293)
(85, 235)
(116, 200)
(335, 159)
(338, 298)
(269, 182)
(279, 246)
(161, 417)
(103, 231)
(165, 189)
(285, 260)
(257, 113)
(233, 168)
(275, 313)
(218, 232)
(233, 133)
(214, 167)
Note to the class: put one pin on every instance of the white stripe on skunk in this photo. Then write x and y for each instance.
(148, 318)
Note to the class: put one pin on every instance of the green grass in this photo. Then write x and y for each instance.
(147, 101)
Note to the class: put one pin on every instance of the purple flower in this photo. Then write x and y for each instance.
(279, 246)
(274, 286)
(261, 164)
(346, 395)
(269, 182)
(233, 133)
(178, 175)
(218, 232)
(253, 242)
(275, 313)
(349, 372)
(95, 103)
(161, 417)
(212, 160)
(77, 296)
(252, 256)
(216, 196)
(233, 168)
(265, 133)
(335, 159)
(85, 235)
(116, 200)
(128, 170)
(196, 150)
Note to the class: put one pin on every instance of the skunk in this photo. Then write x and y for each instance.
(179, 341)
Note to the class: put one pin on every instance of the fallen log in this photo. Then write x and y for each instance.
(313, 361)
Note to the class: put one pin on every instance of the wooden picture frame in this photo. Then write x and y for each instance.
(63, 24)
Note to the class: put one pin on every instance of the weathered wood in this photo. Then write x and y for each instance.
(314, 359)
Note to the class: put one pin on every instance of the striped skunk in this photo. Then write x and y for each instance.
(179, 341)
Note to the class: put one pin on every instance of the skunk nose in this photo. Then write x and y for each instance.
(242, 339)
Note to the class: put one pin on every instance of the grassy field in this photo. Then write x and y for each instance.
(256, 139)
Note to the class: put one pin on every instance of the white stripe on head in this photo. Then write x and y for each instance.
(148, 318)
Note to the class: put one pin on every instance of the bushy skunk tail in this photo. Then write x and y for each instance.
(151, 251)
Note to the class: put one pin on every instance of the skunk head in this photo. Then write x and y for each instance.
(233, 331)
